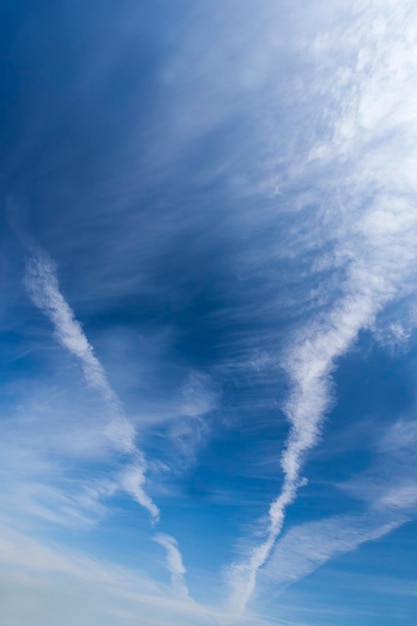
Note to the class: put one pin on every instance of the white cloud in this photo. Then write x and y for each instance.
(80, 505)
(390, 484)
(389, 490)
(43, 288)
(53, 583)
(46, 584)
(371, 222)
(400, 497)
(197, 396)
(174, 563)
(399, 439)
(132, 481)
(307, 547)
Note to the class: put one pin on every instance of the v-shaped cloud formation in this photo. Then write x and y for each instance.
(249, 173)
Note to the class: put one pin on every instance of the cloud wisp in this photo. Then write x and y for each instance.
(43, 289)
(310, 367)
(389, 491)
(174, 563)
(65, 582)
(374, 241)
(305, 548)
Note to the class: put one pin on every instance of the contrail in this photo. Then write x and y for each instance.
(309, 366)
(42, 286)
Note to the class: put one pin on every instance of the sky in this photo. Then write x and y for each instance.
(208, 313)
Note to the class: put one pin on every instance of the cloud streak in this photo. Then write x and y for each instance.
(116, 595)
(374, 239)
(389, 491)
(174, 563)
(307, 547)
(43, 289)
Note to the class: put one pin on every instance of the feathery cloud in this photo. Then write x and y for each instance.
(389, 491)
(307, 547)
(43, 288)
(174, 563)
(375, 236)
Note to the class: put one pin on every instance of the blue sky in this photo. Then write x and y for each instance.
(208, 313)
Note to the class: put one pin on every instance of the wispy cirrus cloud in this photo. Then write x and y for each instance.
(373, 237)
(133, 481)
(116, 595)
(305, 548)
(103, 429)
(388, 489)
(43, 288)
(58, 583)
(354, 153)
(174, 563)
(390, 483)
